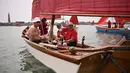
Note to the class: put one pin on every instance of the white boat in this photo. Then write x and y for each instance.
(105, 59)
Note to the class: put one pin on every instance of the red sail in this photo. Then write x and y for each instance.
(74, 20)
(102, 20)
(37, 8)
(106, 7)
(119, 19)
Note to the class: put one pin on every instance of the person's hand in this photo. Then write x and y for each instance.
(67, 41)
(61, 36)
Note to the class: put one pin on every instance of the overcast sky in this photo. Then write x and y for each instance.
(20, 10)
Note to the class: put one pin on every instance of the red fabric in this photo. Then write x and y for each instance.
(38, 7)
(35, 8)
(74, 20)
(49, 17)
(102, 20)
(58, 33)
(71, 34)
(115, 25)
(119, 19)
(64, 31)
(43, 28)
(122, 24)
(86, 6)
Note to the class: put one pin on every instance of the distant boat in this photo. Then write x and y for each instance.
(114, 27)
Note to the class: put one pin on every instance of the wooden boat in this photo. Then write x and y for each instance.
(88, 59)
(104, 29)
(104, 59)
(62, 61)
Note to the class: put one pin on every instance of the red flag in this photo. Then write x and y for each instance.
(74, 20)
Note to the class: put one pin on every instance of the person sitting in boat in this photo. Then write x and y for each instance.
(70, 35)
(25, 32)
(34, 32)
(109, 24)
(43, 27)
(60, 35)
(59, 32)
(122, 24)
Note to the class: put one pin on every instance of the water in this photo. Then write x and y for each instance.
(15, 58)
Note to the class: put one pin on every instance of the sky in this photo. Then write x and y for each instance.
(20, 10)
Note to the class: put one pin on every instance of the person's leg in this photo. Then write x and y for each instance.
(72, 44)
(38, 41)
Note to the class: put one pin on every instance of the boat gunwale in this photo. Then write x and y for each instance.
(61, 55)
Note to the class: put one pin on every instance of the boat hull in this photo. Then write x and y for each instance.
(86, 62)
(58, 65)
(110, 30)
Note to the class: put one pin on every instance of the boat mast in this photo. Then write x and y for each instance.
(51, 28)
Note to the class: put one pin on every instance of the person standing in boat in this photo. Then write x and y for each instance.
(34, 32)
(25, 32)
(109, 24)
(43, 27)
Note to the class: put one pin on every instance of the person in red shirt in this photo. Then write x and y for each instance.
(70, 35)
(61, 32)
(43, 27)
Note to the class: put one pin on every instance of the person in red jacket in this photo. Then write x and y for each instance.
(43, 27)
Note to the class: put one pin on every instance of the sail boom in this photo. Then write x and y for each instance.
(93, 15)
